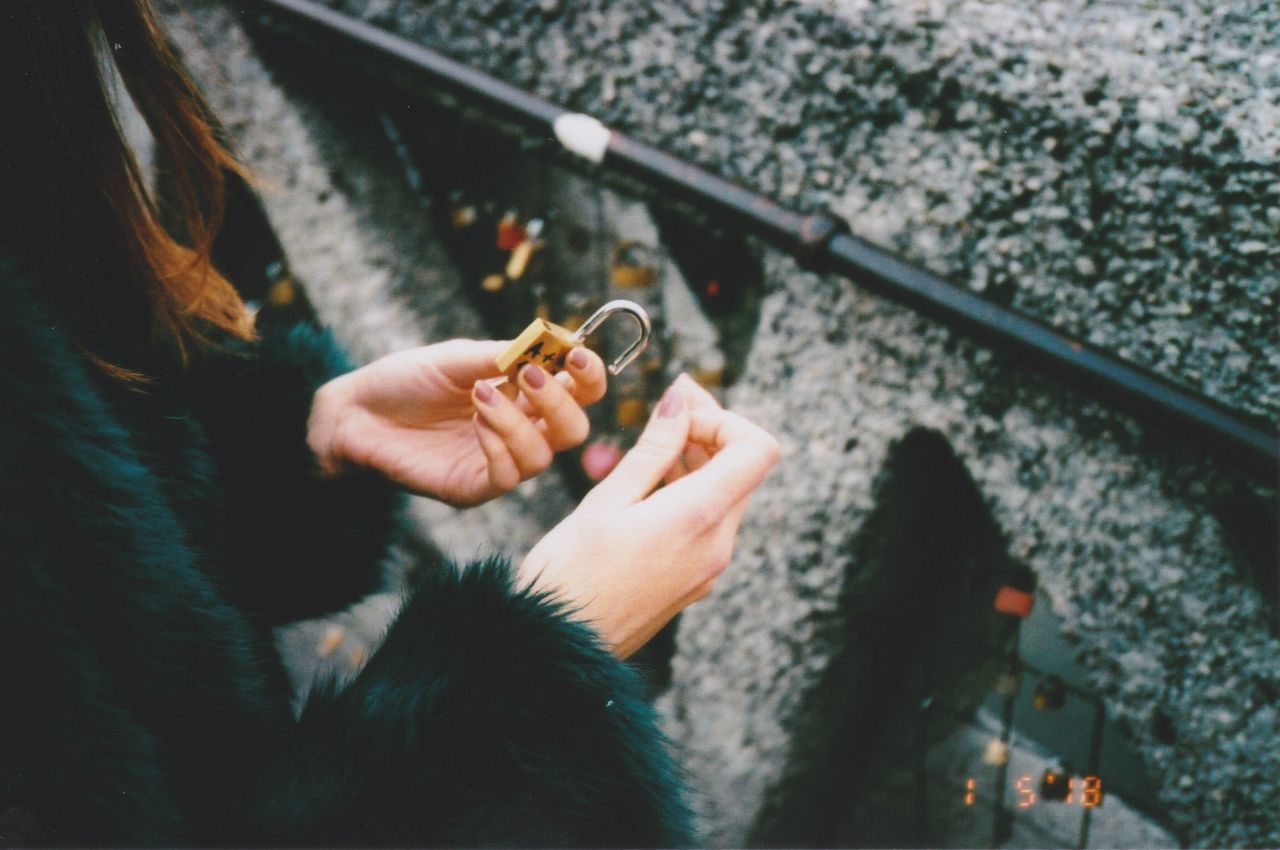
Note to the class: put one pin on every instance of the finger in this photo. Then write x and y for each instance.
(565, 380)
(642, 468)
(698, 451)
(465, 361)
(566, 423)
(586, 369)
(678, 470)
(715, 429)
(526, 445)
(510, 390)
(696, 394)
(695, 455)
(744, 454)
(694, 458)
(733, 519)
(503, 472)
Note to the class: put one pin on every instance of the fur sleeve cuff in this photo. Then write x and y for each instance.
(488, 716)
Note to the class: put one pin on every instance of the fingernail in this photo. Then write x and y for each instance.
(484, 392)
(578, 359)
(534, 376)
(672, 401)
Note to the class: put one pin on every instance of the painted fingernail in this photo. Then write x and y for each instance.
(672, 401)
(534, 376)
(578, 359)
(484, 392)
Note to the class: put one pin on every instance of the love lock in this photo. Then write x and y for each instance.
(634, 265)
(547, 344)
(1050, 694)
(522, 252)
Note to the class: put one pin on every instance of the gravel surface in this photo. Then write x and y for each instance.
(1122, 525)
(1121, 541)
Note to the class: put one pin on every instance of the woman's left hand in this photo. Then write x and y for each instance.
(432, 420)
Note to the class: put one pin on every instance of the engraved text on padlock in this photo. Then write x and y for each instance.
(543, 344)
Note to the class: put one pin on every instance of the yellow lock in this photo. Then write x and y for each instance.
(709, 378)
(543, 343)
(282, 293)
(547, 344)
(633, 268)
(996, 752)
(1008, 684)
(518, 262)
(523, 250)
(631, 412)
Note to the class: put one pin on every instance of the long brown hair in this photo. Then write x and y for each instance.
(72, 191)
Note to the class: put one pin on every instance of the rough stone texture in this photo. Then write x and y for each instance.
(1108, 167)
(1123, 549)
(836, 103)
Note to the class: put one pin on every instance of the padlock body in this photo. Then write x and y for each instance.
(632, 277)
(542, 343)
(632, 412)
(518, 262)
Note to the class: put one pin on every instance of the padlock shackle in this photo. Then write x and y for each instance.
(619, 306)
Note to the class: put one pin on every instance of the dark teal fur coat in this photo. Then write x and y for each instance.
(150, 542)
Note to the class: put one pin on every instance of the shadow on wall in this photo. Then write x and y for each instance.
(919, 646)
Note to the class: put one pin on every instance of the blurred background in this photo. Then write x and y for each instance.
(977, 604)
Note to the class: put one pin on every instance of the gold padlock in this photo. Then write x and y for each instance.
(522, 252)
(519, 260)
(996, 752)
(282, 293)
(631, 412)
(709, 378)
(1050, 694)
(547, 344)
(630, 269)
(1008, 684)
(510, 233)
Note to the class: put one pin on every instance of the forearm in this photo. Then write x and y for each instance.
(304, 544)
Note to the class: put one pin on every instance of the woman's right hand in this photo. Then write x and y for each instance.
(629, 558)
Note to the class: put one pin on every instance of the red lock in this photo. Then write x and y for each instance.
(1010, 600)
(599, 458)
(510, 233)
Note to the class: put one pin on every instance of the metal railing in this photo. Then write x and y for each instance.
(817, 240)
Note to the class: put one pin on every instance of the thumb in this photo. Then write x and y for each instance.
(643, 468)
(465, 361)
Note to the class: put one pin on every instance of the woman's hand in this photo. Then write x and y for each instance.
(629, 558)
(432, 420)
